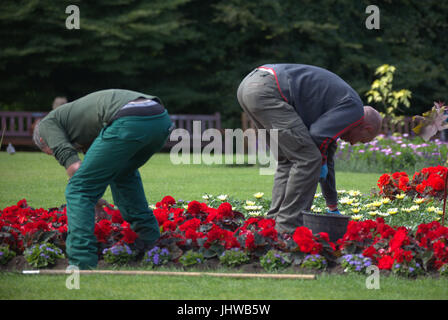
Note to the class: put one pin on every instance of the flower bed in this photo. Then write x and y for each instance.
(391, 153)
(194, 232)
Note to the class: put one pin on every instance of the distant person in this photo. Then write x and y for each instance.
(311, 108)
(118, 130)
(59, 101)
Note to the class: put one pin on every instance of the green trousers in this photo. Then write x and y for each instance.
(113, 159)
(299, 159)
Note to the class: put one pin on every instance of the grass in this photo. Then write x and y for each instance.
(39, 178)
(16, 286)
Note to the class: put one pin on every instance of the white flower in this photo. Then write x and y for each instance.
(250, 203)
(206, 196)
(419, 200)
(222, 197)
(357, 217)
(354, 193)
(392, 211)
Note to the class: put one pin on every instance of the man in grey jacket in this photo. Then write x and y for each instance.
(311, 108)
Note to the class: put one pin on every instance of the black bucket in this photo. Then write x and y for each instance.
(333, 224)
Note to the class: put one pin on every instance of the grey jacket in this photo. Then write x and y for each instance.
(327, 105)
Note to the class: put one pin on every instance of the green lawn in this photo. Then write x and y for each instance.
(39, 178)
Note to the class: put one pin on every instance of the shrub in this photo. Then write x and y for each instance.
(6, 254)
(274, 260)
(191, 258)
(42, 255)
(355, 262)
(118, 254)
(157, 257)
(234, 257)
(314, 261)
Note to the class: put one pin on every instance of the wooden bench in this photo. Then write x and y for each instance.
(18, 125)
(388, 126)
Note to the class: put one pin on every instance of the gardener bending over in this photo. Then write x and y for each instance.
(311, 108)
(118, 130)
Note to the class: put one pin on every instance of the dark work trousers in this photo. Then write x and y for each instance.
(299, 159)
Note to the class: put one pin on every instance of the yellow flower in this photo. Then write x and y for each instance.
(222, 197)
(356, 210)
(383, 214)
(250, 203)
(439, 212)
(385, 201)
(259, 195)
(373, 213)
(357, 217)
(355, 204)
(392, 211)
(400, 196)
(254, 213)
(354, 193)
(414, 208)
(317, 195)
(341, 191)
(374, 204)
(431, 209)
(419, 200)
(317, 210)
(346, 200)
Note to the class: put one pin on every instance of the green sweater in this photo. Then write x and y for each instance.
(72, 127)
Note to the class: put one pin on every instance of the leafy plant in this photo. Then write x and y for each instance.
(407, 269)
(275, 260)
(156, 257)
(191, 258)
(6, 254)
(314, 261)
(42, 255)
(118, 254)
(355, 262)
(381, 92)
(234, 257)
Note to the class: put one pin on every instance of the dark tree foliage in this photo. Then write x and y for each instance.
(194, 53)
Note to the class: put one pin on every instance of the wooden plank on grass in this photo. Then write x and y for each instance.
(178, 273)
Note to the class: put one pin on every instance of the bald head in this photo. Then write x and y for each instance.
(367, 130)
(373, 119)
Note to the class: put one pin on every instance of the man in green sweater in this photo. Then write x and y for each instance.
(118, 130)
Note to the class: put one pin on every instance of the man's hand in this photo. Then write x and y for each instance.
(323, 172)
(73, 168)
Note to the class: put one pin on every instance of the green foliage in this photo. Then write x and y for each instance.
(314, 261)
(156, 257)
(6, 254)
(118, 254)
(275, 260)
(381, 91)
(190, 258)
(43, 255)
(234, 257)
(443, 271)
(194, 53)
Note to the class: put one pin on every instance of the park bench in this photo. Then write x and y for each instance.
(18, 125)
